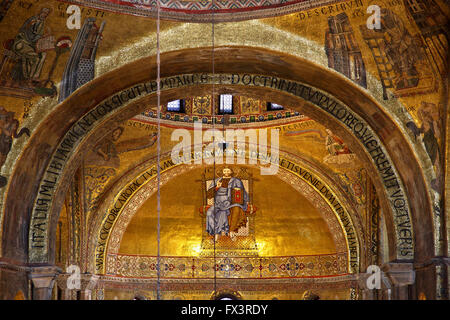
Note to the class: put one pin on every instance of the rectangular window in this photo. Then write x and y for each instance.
(226, 103)
(176, 106)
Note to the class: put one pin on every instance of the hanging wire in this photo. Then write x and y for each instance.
(214, 136)
(158, 143)
(214, 142)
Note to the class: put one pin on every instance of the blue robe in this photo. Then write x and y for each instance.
(217, 214)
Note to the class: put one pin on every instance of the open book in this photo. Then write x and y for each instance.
(45, 44)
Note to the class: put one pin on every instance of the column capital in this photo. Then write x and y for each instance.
(43, 276)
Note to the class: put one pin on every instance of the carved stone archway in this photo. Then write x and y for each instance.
(89, 114)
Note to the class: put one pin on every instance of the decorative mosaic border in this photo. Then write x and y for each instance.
(204, 11)
(206, 285)
(207, 6)
(143, 266)
(234, 119)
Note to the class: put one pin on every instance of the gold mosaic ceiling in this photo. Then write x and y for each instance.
(286, 223)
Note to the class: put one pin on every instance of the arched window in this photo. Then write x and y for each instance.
(226, 104)
(226, 296)
(176, 106)
(273, 106)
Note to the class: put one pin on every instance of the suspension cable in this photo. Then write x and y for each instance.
(214, 142)
(158, 143)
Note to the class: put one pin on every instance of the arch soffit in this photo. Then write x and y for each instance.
(87, 101)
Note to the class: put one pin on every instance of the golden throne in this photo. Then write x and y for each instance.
(238, 242)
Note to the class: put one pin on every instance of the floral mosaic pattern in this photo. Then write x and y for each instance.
(143, 266)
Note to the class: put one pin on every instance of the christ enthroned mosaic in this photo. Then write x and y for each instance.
(228, 212)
